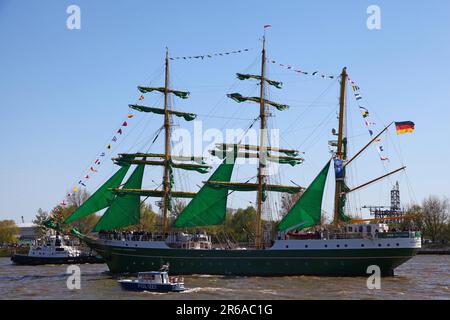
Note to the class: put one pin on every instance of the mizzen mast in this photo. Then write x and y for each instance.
(340, 153)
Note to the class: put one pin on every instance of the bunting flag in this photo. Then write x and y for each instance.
(86, 177)
(102, 154)
(97, 162)
(63, 203)
(366, 117)
(124, 124)
(364, 112)
(108, 146)
(141, 98)
(297, 70)
(211, 55)
(75, 190)
(114, 139)
(93, 170)
(130, 115)
(119, 131)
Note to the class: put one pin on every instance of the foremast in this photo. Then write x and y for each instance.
(123, 200)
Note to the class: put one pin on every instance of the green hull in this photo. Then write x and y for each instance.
(333, 262)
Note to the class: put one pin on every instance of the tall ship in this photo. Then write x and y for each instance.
(347, 247)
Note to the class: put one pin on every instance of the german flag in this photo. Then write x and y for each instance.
(404, 127)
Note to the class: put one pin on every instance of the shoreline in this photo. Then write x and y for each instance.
(8, 252)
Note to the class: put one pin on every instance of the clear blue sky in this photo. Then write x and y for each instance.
(64, 92)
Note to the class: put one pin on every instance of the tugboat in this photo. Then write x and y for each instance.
(54, 251)
(155, 281)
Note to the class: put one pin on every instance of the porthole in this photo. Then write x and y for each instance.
(388, 244)
(345, 245)
(306, 246)
(379, 244)
(326, 246)
(362, 245)
(397, 244)
(337, 245)
(287, 246)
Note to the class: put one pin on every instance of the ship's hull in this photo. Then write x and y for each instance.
(133, 257)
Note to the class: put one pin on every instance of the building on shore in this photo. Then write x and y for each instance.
(28, 233)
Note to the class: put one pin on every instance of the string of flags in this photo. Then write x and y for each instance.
(367, 121)
(299, 71)
(94, 168)
(203, 56)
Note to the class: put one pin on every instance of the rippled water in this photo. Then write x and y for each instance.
(423, 277)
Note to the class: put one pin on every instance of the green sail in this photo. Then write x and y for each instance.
(239, 98)
(285, 160)
(179, 94)
(342, 201)
(200, 168)
(281, 160)
(306, 211)
(185, 115)
(101, 198)
(276, 84)
(125, 208)
(209, 206)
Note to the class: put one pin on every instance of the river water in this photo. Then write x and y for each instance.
(423, 277)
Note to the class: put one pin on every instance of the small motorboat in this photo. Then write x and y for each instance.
(155, 281)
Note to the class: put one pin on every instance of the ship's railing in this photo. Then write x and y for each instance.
(138, 236)
(378, 235)
(402, 234)
(173, 237)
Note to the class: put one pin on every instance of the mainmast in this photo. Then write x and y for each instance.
(166, 183)
(262, 149)
(340, 154)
